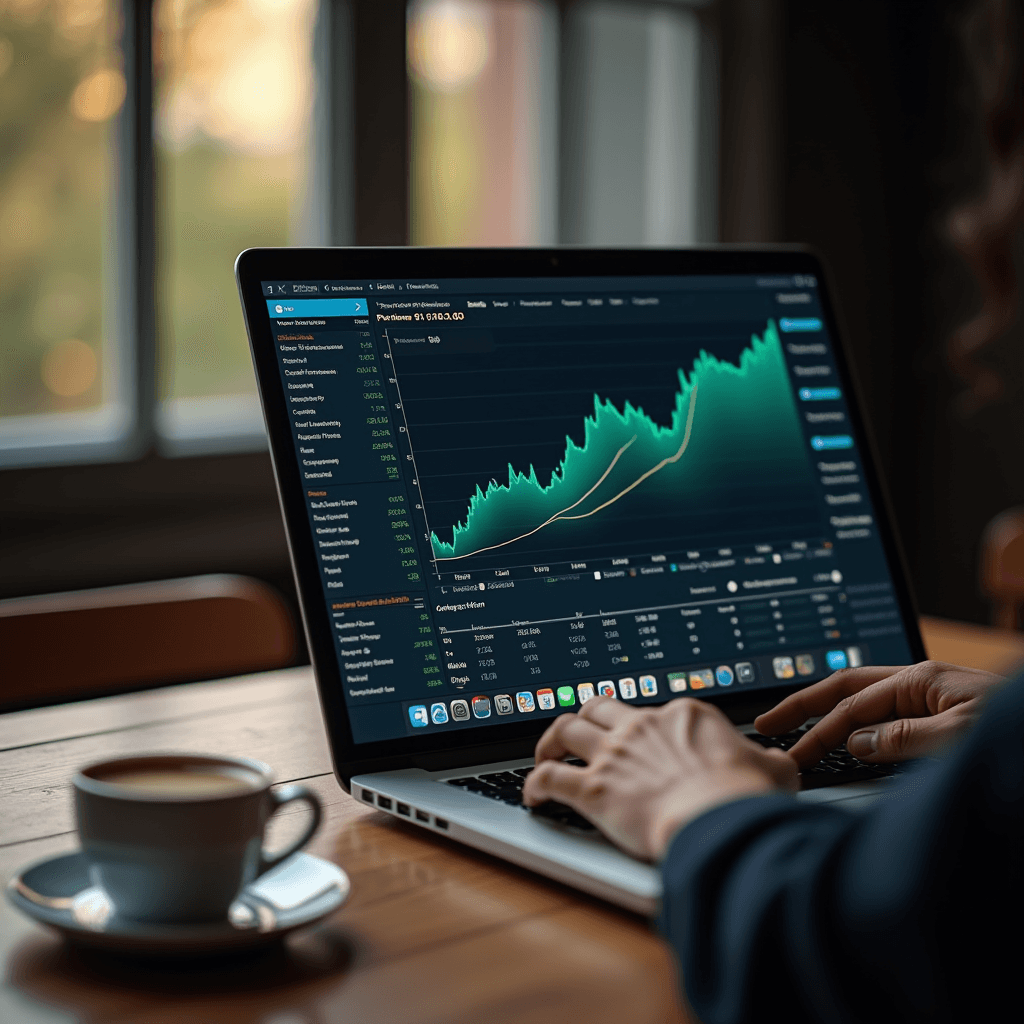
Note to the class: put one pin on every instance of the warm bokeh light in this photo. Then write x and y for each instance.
(448, 42)
(99, 96)
(69, 368)
(476, 103)
(77, 18)
(237, 72)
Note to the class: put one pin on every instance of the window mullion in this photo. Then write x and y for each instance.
(135, 273)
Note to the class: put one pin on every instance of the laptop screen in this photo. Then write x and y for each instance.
(526, 492)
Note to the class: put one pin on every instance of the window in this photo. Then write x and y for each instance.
(233, 104)
(483, 81)
(65, 373)
(142, 147)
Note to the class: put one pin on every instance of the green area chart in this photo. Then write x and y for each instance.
(734, 430)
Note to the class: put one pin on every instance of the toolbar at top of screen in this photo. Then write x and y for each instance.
(316, 307)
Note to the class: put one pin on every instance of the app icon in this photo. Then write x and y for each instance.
(460, 711)
(566, 698)
(482, 707)
(525, 701)
(649, 686)
(585, 692)
(438, 714)
(783, 668)
(724, 676)
(418, 715)
(745, 672)
(856, 658)
(545, 699)
(805, 664)
(606, 688)
(503, 704)
(702, 679)
(836, 660)
(627, 687)
(677, 681)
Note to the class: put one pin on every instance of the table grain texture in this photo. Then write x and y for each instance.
(433, 931)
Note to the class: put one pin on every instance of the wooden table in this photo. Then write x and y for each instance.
(432, 932)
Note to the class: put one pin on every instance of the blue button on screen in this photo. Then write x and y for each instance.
(836, 660)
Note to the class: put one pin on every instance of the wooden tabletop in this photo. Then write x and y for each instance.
(432, 932)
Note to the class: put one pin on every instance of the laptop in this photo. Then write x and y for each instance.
(513, 480)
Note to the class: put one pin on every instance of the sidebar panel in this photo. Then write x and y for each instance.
(360, 516)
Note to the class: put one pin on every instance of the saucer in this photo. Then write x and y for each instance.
(59, 892)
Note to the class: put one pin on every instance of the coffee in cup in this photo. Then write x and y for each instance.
(173, 838)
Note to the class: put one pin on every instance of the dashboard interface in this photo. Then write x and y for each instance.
(526, 492)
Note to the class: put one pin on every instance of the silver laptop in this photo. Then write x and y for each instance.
(513, 480)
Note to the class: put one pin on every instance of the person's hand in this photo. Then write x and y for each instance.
(650, 771)
(883, 714)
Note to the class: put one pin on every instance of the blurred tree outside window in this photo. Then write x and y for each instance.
(62, 84)
(234, 84)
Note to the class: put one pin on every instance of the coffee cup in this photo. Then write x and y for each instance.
(174, 838)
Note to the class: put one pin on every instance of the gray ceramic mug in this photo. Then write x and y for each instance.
(176, 845)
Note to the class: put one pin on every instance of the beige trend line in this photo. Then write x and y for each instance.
(611, 465)
(568, 508)
(661, 465)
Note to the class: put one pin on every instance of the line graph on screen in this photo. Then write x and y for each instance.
(729, 422)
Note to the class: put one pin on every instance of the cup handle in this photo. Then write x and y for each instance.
(287, 795)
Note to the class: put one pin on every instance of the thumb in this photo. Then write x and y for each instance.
(905, 738)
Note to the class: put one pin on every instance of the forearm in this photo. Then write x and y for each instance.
(895, 914)
(745, 886)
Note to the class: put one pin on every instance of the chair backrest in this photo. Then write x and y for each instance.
(86, 643)
(1002, 567)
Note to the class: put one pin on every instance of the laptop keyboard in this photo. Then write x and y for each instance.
(508, 788)
(835, 768)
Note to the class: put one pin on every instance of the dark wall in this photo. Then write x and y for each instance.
(881, 138)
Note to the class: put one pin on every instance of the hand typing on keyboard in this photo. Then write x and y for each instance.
(883, 714)
(649, 771)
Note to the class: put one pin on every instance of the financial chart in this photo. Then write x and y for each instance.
(594, 443)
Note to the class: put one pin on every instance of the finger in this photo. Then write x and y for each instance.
(569, 734)
(553, 780)
(606, 712)
(907, 738)
(819, 698)
(876, 703)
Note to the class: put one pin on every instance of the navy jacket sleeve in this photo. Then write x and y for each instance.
(908, 911)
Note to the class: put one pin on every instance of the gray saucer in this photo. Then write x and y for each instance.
(59, 892)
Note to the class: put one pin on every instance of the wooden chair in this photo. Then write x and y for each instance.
(1002, 568)
(87, 643)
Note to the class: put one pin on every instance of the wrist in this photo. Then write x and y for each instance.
(689, 802)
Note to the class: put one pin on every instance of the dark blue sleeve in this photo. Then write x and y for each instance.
(908, 911)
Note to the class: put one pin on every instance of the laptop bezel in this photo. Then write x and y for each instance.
(435, 751)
